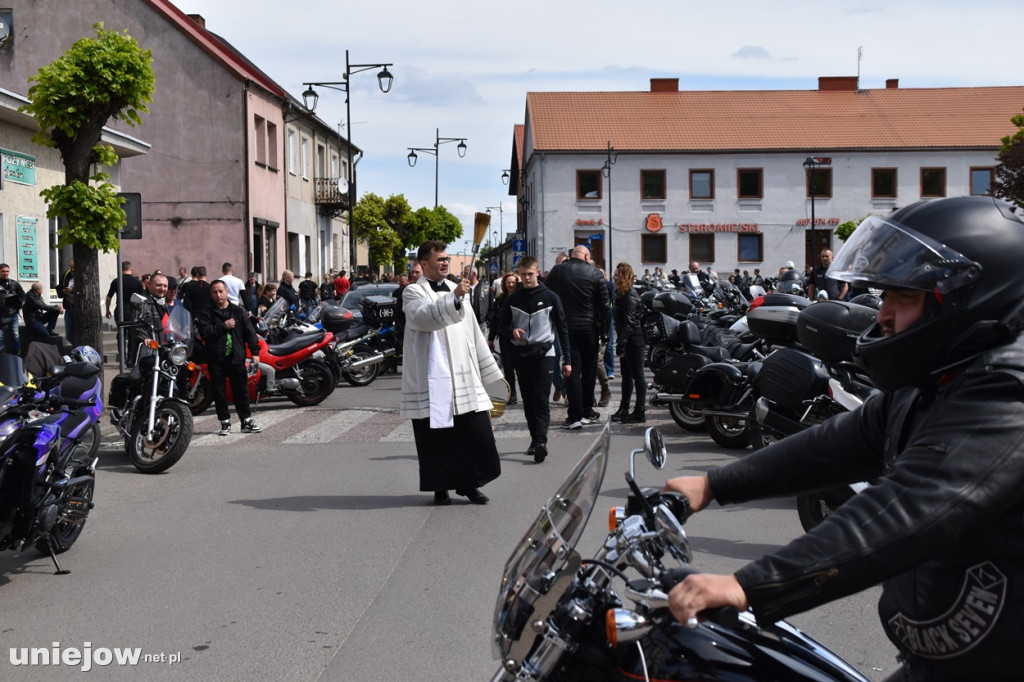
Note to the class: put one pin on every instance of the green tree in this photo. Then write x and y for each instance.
(1009, 180)
(846, 229)
(390, 227)
(97, 79)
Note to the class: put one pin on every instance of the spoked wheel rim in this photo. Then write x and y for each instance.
(166, 428)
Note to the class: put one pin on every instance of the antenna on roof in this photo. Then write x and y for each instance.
(860, 56)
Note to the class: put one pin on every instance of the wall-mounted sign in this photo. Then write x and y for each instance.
(17, 167)
(653, 222)
(28, 248)
(818, 221)
(704, 228)
(589, 221)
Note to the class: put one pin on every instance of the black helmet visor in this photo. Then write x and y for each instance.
(886, 254)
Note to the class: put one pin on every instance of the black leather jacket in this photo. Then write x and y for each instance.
(943, 527)
(584, 295)
(629, 321)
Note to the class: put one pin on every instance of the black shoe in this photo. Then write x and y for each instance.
(441, 498)
(637, 416)
(620, 414)
(512, 399)
(592, 418)
(474, 496)
(540, 453)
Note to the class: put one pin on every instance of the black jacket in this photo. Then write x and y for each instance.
(629, 321)
(943, 526)
(308, 290)
(12, 296)
(287, 292)
(35, 307)
(584, 295)
(214, 332)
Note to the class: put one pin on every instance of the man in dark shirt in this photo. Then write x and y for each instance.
(130, 284)
(308, 291)
(195, 295)
(820, 281)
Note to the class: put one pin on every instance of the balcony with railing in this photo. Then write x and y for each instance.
(332, 195)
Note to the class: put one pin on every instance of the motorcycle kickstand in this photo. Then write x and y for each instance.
(53, 557)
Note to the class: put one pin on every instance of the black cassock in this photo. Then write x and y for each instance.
(457, 458)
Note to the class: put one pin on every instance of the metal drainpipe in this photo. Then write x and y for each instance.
(540, 218)
(247, 218)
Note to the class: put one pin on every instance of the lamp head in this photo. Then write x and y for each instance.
(462, 149)
(385, 80)
(309, 99)
(412, 159)
(504, 177)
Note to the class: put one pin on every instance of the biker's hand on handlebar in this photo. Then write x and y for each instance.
(702, 591)
(696, 488)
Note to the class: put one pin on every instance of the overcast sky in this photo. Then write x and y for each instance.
(465, 67)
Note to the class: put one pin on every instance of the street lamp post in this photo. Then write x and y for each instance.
(606, 171)
(501, 217)
(811, 165)
(438, 141)
(310, 98)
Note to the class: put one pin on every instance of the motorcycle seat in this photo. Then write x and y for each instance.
(743, 350)
(296, 343)
(715, 353)
(74, 422)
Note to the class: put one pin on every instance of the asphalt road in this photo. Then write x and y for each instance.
(306, 552)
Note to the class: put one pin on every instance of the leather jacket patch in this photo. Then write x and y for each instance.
(964, 625)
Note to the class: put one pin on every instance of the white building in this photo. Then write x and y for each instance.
(719, 176)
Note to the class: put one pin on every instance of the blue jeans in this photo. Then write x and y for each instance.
(9, 336)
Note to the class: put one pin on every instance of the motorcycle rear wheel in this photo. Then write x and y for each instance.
(362, 376)
(816, 507)
(690, 420)
(172, 435)
(316, 384)
(65, 532)
(728, 432)
(202, 397)
(86, 449)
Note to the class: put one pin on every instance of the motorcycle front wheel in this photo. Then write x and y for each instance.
(172, 432)
(201, 397)
(690, 420)
(729, 432)
(362, 376)
(315, 385)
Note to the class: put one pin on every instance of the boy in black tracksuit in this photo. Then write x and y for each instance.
(532, 316)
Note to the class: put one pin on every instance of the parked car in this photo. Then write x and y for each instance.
(353, 297)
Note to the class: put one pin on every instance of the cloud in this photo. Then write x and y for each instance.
(751, 52)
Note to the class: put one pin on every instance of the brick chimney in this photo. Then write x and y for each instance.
(198, 18)
(837, 83)
(892, 83)
(664, 85)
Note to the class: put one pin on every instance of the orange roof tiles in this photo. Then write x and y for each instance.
(773, 120)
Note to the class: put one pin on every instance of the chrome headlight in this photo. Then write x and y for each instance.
(179, 354)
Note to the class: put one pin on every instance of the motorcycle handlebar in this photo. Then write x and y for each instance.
(726, 616)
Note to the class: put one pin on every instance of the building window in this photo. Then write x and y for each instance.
(933, 182)
(653, 248)
(702, 184)
(305, 158)
(750, 183)
(981, 180)
(259, 136)
(334, 165)
(750, 248)
(321, 161)
(588, 184)
(822, 179)
(292, 154)
(702, 248)
(652, 184)
(883, 183)
(272, 145)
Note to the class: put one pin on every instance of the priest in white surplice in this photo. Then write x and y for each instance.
(445, 365)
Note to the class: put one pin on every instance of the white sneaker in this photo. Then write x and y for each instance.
(249, 426)
(225, 428)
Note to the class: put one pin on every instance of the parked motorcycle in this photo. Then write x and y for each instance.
(803, 386)
(145, 406)
(561, 617)
(47, 459)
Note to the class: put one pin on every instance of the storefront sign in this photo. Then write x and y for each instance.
(706, 228)
(590, 221)
(28, 250)
(818, 221)
(19, 168)
(653, 222)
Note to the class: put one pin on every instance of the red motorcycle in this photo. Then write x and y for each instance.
(296, 369)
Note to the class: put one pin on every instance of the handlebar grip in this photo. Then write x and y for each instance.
(726, 616)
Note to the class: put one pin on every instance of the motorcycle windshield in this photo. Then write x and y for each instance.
(544, 552)
(179, 325)
(275, 312)
(692, 285)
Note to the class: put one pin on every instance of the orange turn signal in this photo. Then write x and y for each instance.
(610, 631)
(152, 343)
(191, 366)
(615, 516)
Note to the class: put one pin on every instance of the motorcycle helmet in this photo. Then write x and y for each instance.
(86, 354)
(869, 300)
(965, 253)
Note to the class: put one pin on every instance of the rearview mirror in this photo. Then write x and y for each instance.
(654, 448)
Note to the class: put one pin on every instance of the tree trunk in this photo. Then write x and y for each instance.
(87, 298)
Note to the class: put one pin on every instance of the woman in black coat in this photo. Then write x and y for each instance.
(629, 346)
(509, 282)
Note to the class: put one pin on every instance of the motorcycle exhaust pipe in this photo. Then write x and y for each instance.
(737, 414)
(660, 398)
(769, 415)
(288, 384)
(366, 362)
